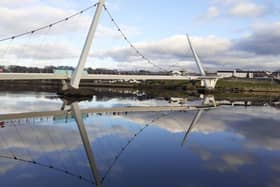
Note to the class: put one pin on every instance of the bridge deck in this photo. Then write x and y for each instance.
(56, 113)
(52, 76)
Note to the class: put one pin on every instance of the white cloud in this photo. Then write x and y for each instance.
(240, 8)
(212, 12)
(237, 120)
(18, 20)
(247, 9)
(229, 162)
(226, 1)
(255, 51)
(264, 40)
(49, 51)
(16, 2)
(168, 51)
(38, 140)
(236, 161)
(215, 52)
(59, 43)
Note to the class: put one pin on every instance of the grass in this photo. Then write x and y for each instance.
(248, 85)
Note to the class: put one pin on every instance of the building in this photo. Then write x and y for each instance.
(243, 74)
(236, 73)
(248, 74)
(67, 72)
(225, 74)
(63, 72)
(176, 73)
(134, 81)
(276, 75)
(263, 75)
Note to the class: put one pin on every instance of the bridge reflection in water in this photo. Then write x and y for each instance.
(27, 155)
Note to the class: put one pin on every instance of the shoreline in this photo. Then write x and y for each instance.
(223, 85)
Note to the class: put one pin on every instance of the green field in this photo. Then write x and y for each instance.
(238, 85)
(248, 85)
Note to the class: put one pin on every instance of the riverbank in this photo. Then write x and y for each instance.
(247, 85)
(173, 96)
(223, 85)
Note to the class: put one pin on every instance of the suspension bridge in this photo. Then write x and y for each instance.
(73, 81)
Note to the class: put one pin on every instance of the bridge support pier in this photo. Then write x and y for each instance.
(209, 84)
(64, 84)
(209, 100)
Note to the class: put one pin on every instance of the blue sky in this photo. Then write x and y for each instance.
(227, 34)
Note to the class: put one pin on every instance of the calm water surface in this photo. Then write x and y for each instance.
(227, 146)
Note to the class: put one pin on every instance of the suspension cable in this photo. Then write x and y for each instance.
(6, 145)
(41, 147)
(123, 149)
(177, 63)
(21, 139)
(49, 25)
(47, 166)
(56, 149)
(128, 41)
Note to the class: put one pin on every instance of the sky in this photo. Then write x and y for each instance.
(227, 34)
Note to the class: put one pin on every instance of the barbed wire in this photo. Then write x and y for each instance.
(129, 42)
(49, 25)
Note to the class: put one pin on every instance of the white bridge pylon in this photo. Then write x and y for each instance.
(206, 82)
(76, 77)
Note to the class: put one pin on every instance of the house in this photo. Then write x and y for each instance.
(176, 73)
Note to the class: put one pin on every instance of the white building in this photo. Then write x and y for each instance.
(236, 73)
(176, 73)
(225, 74)
(67, 72)
(134, 81)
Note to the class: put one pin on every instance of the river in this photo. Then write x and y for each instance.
(224, 144)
